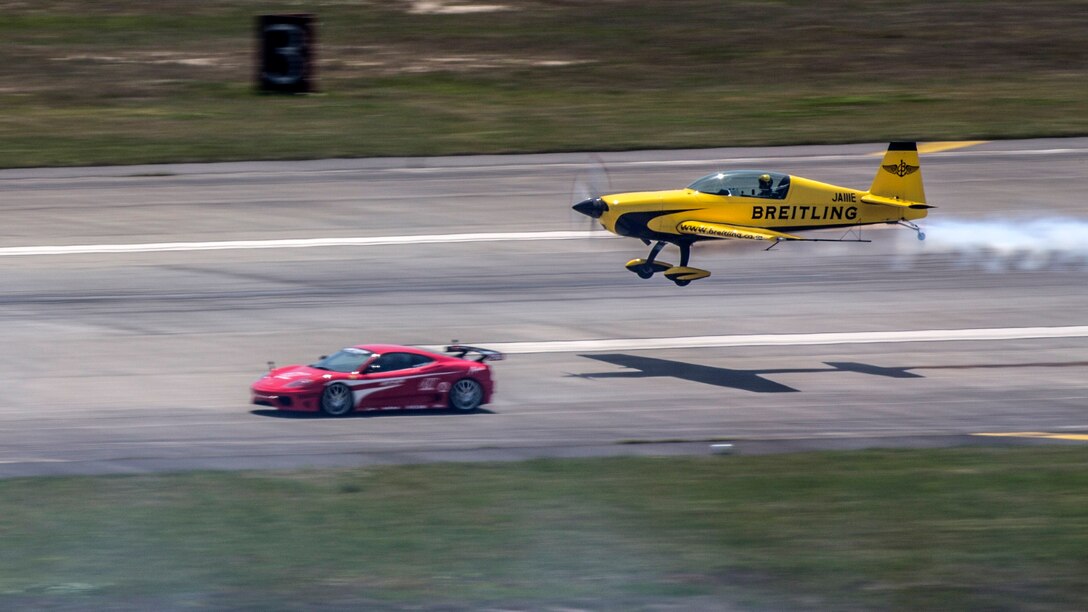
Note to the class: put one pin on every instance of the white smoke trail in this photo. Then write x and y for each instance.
(997, 245)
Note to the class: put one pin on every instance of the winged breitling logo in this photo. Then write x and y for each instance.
(901, 169)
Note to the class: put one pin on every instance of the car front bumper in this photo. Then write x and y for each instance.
(280, 399)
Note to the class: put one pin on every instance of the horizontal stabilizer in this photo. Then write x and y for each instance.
(721, 230)
(883, 201)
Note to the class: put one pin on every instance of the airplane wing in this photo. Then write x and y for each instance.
(722, 230)
(882, 201)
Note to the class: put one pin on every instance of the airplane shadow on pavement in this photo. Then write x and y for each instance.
(754, 381)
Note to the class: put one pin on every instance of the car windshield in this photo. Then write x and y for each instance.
(346, 360)
(748, 183)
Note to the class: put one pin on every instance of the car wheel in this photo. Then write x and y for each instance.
(466, 395)
(337, 400)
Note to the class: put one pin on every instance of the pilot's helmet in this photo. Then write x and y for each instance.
(765, 180)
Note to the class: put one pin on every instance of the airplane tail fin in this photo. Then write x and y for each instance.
(900, 174)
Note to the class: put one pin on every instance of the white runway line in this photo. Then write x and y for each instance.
(296, 243)
(891, 337)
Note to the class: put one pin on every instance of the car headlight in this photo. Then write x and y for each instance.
(302, 382)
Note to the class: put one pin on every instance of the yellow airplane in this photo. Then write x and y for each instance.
(758, 205)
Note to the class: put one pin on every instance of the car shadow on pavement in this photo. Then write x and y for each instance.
(364, 414)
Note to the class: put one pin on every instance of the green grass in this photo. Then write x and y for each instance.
(950, 529)
(133, 82)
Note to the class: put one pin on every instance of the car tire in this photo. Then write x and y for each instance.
(466, 395)
(336, 400)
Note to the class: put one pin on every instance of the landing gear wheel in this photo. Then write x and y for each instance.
(683, 275)
(466, 395)
(646, 268)
(336, 400)
(921, 235)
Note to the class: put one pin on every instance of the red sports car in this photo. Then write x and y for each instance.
(382, 377)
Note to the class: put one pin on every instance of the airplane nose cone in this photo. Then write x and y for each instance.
(593, 207)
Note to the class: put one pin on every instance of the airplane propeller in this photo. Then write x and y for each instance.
(591, 182)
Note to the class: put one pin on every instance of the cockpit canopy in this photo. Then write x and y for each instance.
(744, 183)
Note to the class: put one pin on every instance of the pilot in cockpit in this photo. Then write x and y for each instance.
(765, 183)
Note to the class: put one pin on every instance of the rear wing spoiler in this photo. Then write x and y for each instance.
(481, 354)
